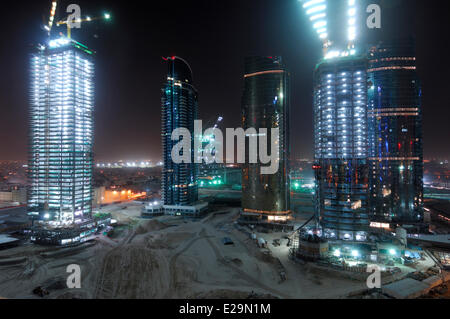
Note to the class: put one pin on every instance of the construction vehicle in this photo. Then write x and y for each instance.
(41, 292)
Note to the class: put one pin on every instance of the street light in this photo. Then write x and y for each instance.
(337, 253)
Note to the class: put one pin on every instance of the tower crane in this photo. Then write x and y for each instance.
(51, 21)
(106, 16)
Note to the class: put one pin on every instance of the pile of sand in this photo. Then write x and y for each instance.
(156, 242)
(134, 271)
(236, 261)
(73, 295)
(230, 294)
(148, 226)
(176, 238)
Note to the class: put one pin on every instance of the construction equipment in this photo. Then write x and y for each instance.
(68, 23)
(303, 226)
(41, 292)
(51, 19)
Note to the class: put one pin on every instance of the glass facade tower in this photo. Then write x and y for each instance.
(265, 104)
(179, 109)
(61, 133)
(395, 134)
(340, 126)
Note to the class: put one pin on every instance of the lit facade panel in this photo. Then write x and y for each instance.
(320, 11)
(179, 109)
(340, 126)
(395, 134)
(316, 10)
(265, 104)
(352, 11)
(61, 133)
(340, 112)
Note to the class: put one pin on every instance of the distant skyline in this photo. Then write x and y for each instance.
(214, 38)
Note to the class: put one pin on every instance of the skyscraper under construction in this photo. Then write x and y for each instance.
(340, 130)
(395, 134)
(340, 123)
(61, 133)
(179, 110)
(265, 105)
(368, 134)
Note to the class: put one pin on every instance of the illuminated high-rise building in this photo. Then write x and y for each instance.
(368, 128)
(61, 133)
(316, 10)
(395, 134)
(179, 109)
(340, 123)
(340, 130)
(338, 38)
(265, 105)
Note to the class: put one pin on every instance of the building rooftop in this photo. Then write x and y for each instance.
(433, 239)
(5, 239)
(406, 288)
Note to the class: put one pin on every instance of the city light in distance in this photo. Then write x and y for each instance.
(126, 164)
(337, 253)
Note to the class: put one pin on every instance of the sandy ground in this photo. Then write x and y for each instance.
(125, 212)
(166, 257)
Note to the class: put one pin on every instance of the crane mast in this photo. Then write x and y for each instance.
(51, 18)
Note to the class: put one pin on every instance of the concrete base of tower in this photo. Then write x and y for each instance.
(46, 234)
(345, 235)
(195, 210)
(156, 208)
(62, 236)
(267, 219)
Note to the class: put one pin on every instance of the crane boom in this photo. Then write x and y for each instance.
(106, 16)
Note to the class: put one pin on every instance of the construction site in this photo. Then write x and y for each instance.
(167, 257)
(260, 240)
(212, 257)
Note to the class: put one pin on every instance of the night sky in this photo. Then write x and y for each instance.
(214, 37)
